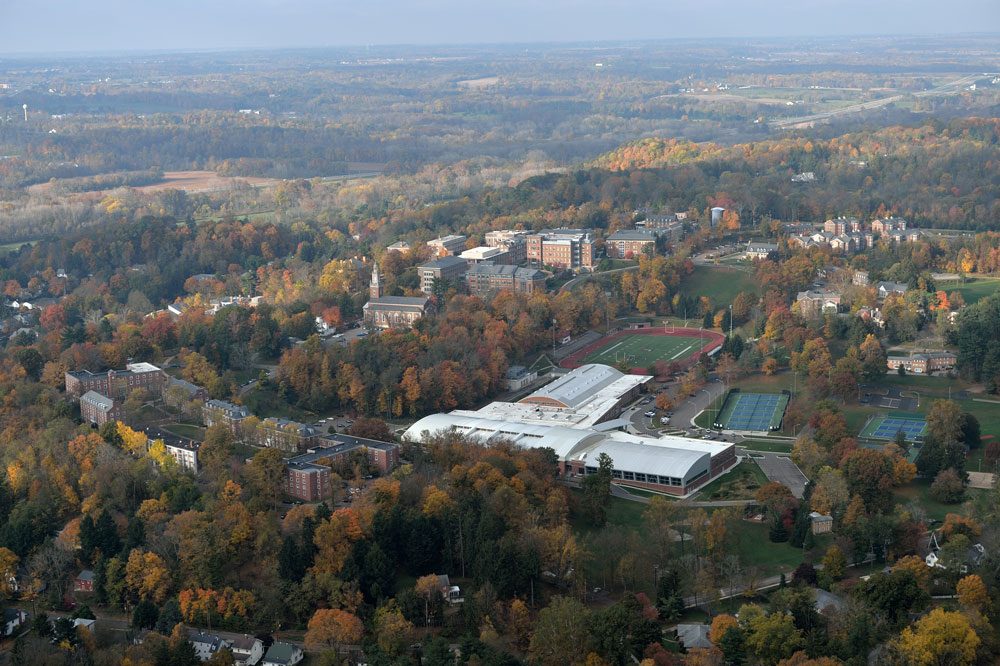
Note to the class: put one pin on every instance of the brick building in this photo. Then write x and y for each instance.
(220, 411)
(447, 245)
(484, 279)
(286, 435)
(445, 268)
(561, 249)
(98, 409)
(393, 311)
(629, 243)
(307, 476)
(925, 363)
(116, 383)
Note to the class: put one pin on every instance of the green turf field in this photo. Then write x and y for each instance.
(643, 351)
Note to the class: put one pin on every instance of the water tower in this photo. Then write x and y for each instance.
(717, 215)
(25, 107)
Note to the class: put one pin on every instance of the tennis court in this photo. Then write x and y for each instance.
(642, 350)
(886, 427)
(757, 412)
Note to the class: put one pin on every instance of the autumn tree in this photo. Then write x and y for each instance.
(972, 594)
(597, 491)
(561, 633)
(147, 575)
(334, 628)
(216, 450)
(426, 588)
(942, 637)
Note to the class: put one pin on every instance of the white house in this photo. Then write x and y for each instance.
(247, 650)
(13, 618)
(206, 645)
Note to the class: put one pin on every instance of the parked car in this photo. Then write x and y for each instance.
(651, 413)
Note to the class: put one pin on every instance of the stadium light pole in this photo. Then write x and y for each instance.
(553, 338)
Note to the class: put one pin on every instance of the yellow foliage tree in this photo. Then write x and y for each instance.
(147, 575)
(942, 637)
(972, 594)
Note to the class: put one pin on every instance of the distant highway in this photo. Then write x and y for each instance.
(947, 88)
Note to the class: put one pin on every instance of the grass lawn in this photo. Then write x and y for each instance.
(925, 383)
(741, 483)
(919, 491)
(189, 431)
(645, 350)
(763, 445)
(974, 289)
(721, 285)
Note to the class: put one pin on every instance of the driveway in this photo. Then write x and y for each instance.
(780, 468)
(685, 412)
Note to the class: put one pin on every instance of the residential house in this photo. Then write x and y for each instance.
(826, 602)
(693, 636)
(398, 246)
(247, 650)
(450, 593)
(282, 654)
(885, 288)
(84, 581)
(207, 645)
(13, 618)
(821, 524)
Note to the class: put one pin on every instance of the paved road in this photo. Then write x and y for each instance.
(780, 468)
(685, 412)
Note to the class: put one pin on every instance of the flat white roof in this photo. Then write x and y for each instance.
(593, 384)
(142, 367)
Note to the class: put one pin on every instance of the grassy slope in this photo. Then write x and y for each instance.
(721, 285)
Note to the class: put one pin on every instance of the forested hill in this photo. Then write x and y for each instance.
(935, 174)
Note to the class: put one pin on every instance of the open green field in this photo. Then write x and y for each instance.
(919, 491)
(925, 383)
(974, 289)
(645, 350)
(189, 431)
(721, 285)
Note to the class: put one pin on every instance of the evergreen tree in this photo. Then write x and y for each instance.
(145, 615)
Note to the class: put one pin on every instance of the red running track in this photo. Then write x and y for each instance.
(713, 340)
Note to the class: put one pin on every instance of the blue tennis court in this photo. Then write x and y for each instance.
(752, 411)
(885, 427)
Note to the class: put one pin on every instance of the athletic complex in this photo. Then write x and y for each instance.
(643, 347)
(756, 412)
(885, 427)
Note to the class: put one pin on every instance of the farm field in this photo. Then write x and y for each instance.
(189, 181)
(645, 350)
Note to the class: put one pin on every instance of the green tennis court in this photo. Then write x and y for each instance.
(756, 412)
(644, 350)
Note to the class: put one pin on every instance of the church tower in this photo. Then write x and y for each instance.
(375, 289)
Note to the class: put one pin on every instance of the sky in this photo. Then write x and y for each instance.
(50, 26)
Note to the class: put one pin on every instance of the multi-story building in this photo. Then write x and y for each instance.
(445, 268)
(307, 476)
(487, 254)
(629, 243)
(924, 363)
(880, 227)
(220, 411)
(484, 279)
(817, 301)
(98, 409)
(842, 225)
(513, 241)
(860, 278)
(177, 390)
(393, 311)
(399, 246)
(116, 383)
(447, 245)
(286, 435)
(305, 480)
(561, 249)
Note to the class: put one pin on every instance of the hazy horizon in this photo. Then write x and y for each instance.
(67, 26)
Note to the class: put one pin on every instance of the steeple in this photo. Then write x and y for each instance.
(375, 288)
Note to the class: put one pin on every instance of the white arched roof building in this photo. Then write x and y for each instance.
(674, 465)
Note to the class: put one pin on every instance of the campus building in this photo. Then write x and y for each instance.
(672, 465)
(925, 363)
(561, 249)
(116, 383)
(484, 279)
(447, 245)
(220, 411)
(98, 409)
(446, 268)
(817, 301)
(629, 243)
(307, 476)
(392, 311)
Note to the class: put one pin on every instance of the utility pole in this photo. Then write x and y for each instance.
(730, 321)
(553, 340)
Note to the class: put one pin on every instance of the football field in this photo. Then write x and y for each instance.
(644, 350)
